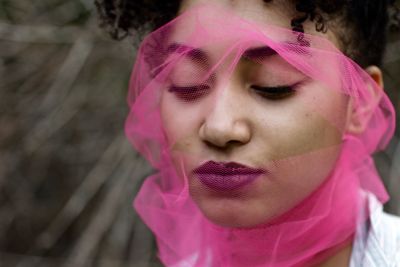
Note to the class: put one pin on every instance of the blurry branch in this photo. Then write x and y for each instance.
(57, 92)
(55, 120)
(7, 215)
(392, 53)
(83, 194)
(88, 4)
(141, 244)
(39, 34)
(11, 259)
(103, 219)
(86, 244)
(23, 197)
(26, 73)
(65, 12)
(119, 238)
(68, 73)
(61, 13)
(61, 85)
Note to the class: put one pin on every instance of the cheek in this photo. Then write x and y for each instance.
(301, 174)
(180, 123)
(304, 133)
(304, 145)
(313, 123)
(302, 152)
(294, 179)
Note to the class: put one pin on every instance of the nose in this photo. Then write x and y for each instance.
(226, 122)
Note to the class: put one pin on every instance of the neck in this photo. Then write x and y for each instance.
(341, 258)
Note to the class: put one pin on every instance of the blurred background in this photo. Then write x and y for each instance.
(67, 174)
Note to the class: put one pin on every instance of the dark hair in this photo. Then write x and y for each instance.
(360, 25)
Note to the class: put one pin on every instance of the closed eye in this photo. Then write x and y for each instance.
(275, 92)
(189, 93)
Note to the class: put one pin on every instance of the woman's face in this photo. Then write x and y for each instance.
(287, 133)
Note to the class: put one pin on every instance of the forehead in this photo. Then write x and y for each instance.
(278, 13)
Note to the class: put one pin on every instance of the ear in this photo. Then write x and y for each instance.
(358, 118)
(376, 74)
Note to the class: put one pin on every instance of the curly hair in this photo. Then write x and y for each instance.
(360, 25)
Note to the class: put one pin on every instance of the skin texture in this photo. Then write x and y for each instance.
(292, 137)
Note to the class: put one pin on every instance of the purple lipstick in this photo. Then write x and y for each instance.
(226, 176)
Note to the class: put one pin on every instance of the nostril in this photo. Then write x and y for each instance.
(233, 142)
(222, 146)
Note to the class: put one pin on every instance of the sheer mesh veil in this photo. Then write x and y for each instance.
(298, 190)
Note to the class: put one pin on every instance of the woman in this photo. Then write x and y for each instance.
(262, 131)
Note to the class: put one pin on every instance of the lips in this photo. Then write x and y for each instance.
(226, 176)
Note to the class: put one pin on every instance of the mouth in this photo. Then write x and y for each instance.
(228, 176)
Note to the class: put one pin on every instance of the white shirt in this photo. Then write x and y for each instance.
(377, 243)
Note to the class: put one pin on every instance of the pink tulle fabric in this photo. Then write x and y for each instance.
(308, 232)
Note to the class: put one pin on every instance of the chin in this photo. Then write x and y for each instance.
(246, 207)
(233, 213)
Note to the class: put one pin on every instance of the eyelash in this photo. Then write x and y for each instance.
(275, 92)
(191, 93)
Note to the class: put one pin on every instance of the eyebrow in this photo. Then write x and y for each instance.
(191, 52)
(201, 55)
